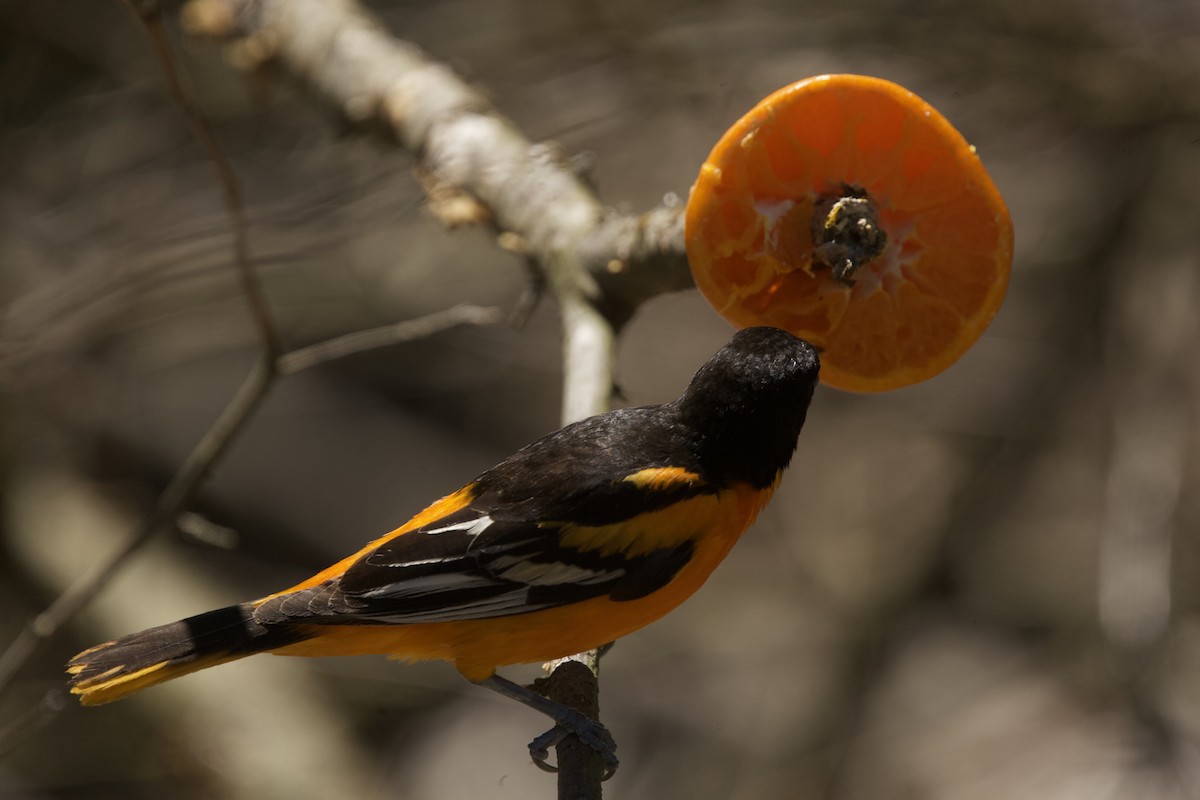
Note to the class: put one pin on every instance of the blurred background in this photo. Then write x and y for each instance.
(981, 587)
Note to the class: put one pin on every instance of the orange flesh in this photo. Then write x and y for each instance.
(914, 309)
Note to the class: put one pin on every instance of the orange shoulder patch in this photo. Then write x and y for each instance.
(663, 477)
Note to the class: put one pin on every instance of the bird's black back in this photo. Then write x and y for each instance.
(737, 421)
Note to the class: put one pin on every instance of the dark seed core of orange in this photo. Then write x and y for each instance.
(846, 233)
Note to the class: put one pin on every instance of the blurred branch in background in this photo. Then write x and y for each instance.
(207, 453)
(1153, 424)
(226, 726)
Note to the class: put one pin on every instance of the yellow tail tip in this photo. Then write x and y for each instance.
(114, 683)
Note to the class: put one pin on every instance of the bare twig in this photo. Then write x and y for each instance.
(215, 443)
(575, 683)
(173, 499)
(589, 353)
(149, 12)
(404, 331)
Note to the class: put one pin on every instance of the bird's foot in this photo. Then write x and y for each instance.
(589, 731)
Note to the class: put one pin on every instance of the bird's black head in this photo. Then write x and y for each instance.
(746, 406)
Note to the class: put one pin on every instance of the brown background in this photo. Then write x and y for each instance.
(980, 587)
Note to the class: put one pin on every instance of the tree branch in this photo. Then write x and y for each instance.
(475, 165)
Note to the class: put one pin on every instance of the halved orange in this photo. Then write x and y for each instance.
(848, 211)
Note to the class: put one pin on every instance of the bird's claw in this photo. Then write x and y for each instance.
(568, 722)
(539, 748)
(590, 732)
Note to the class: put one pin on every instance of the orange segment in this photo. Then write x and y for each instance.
(760, 213)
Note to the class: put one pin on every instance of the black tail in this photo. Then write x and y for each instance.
(115, 669)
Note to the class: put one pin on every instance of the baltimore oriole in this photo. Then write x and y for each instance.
(578, 539)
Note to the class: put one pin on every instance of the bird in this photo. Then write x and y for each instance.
(580, 538)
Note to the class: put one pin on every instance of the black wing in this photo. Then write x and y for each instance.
(468, 565)
(503, 553)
